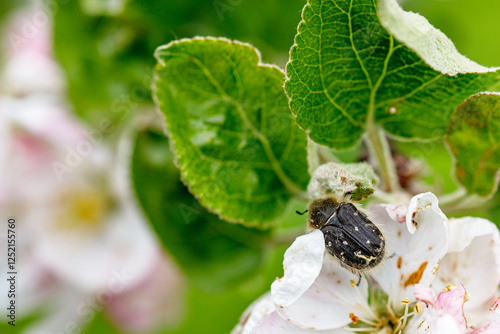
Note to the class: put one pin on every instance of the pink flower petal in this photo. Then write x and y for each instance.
(397, 212)
(425, 294)
(452, 302)
(496, 307)
(155, 301)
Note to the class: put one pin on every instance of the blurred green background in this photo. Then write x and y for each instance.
(106, 50)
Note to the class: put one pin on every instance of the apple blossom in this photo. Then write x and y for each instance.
(425, 253)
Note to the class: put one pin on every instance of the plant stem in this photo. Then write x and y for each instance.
(452, 198)
(326, 155)
(379, 150)
(313, 156)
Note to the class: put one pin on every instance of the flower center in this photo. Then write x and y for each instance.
(82, 209)
(384, 318)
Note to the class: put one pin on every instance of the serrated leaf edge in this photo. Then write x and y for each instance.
(167, 133)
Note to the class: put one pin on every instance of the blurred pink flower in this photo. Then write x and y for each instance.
(156, 300)
(27, 49)
(85, 243)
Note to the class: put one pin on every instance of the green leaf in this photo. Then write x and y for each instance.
(349, 72)
(471, 26)
(213, 253)
(107, 53)
(235, 140)
(474, 140)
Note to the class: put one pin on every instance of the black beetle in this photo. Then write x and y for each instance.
(350, 236)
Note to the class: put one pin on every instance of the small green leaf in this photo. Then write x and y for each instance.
(474, 140)
(213, 253)
(235, 140)
(356, 179)
(348, 71)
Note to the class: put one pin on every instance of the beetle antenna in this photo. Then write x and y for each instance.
(301, 213)
(359, 279)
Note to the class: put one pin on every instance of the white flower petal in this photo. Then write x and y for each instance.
(432, 323)
(274, 324)
(302, 264)
(30, 67)
(413, 258)
(417, 324)
(81, 224)
(473, 259)
(446, 324)
(254, 313)
(491, 328)
(327, 304)
(65, 309)
(121, 254)
(463, 231)
(418, 204)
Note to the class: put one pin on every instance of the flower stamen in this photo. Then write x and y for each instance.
(389, 309)
(354, 285)
(417, 309)
(369, 322)
(402, 320)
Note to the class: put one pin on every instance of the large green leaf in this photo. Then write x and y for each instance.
(236, 142)
(349, 72)
(213, 253)
(474, 140)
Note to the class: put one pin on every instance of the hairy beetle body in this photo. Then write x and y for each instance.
(349, 235)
